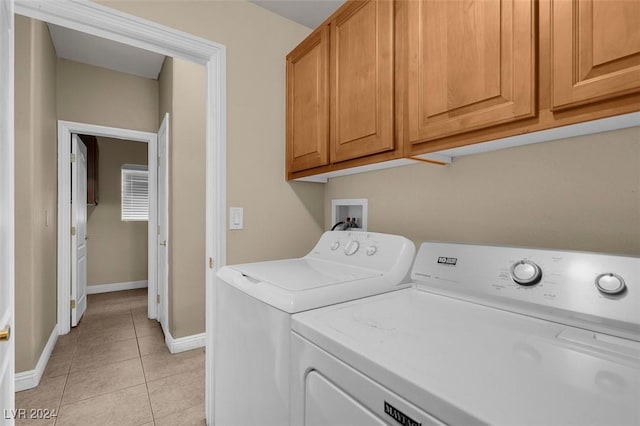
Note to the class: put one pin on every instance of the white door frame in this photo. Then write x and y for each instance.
(101, 21)
(65, 129)
(7, 209)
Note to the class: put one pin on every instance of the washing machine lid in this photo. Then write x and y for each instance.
(295, 285)
(303, 274)
(459, 360)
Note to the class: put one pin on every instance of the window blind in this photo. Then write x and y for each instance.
(135, 193)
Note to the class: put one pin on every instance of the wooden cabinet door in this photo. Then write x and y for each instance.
(595, 50)
(308, 103)
(471, 64)
(362, 80)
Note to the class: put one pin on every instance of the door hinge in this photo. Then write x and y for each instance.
(158, 161)
(157, 298)
(73, 230)
(73, 304)
(73, 158)
(158, 229)
(211, 263)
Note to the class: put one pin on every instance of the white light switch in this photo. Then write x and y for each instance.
(236, 218)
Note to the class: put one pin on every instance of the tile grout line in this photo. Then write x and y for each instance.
(102, 394)
(104, 364)
(144, 375)
(66, 379)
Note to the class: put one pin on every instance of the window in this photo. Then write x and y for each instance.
(135, 193)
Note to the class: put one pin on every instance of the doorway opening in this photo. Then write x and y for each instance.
(70, 271)
(111, 238)
(92, 18)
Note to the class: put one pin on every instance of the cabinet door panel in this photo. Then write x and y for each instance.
(471, 65)
(308, 103)
(596, 50)
(362, 80)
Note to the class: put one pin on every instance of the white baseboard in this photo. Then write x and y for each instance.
(182, 344)
(31, 378)
(106, 288)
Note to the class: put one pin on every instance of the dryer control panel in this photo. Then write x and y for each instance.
(596, 291)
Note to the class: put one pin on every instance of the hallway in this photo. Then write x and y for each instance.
(115, 369)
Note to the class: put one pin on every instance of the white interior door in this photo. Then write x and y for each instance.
(78, 229)
(7, 342)
(163, 222)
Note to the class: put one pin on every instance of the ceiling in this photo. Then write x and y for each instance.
(309, 13)
(88, 49)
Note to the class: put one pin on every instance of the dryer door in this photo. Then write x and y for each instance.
(326, 391)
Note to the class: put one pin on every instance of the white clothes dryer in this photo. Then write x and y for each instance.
(254, 304)
(486, 335)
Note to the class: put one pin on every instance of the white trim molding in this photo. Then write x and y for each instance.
(101, 21)
(7, 204)
(108, 288)
(31, 378)
(183, 344)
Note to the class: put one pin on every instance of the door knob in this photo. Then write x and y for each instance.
(164, 243)
(5, 334)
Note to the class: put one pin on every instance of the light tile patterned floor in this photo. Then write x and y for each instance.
(115, 369)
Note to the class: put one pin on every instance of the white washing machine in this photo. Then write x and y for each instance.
(254, 304)
(486, 335)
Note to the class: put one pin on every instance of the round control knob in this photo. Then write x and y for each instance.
(335, 245)
(526, 273)
(351, 248)
(610, 283)
(371, 250)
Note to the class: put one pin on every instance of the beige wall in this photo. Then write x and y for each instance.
(187, 207)
(182, 95)
(165, 94)
(116, 250)
(281, 219)
(93, 95)
(579, 194)
(35, 176)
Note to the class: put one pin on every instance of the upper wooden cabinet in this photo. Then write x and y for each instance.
(362, 80)
(340, 91)
(308, 103)
(471, 64)
(382, 80)
(595, 50)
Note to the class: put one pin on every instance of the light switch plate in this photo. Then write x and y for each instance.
(236, 218)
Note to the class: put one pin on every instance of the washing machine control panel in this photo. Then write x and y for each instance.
(372, 250)
(598, 291)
